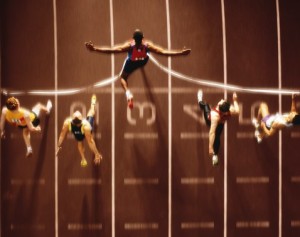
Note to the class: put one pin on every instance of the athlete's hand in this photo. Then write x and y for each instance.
(38, 128)
(89, 45)
(2, 134)
(97, 159)
(58, 150)
(211, 152)
(185, 51)
(234, 96)
(294, 95)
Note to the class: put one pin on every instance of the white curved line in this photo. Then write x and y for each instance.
(72, 91)
(221, 85)
(176, 74)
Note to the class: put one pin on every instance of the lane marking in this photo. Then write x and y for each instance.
(79, 181)
(140, 181)
(141, 226)
(198, 225)
(142, 136)
(253, 180)
(252, 224)
(80, 226)
(197, 180)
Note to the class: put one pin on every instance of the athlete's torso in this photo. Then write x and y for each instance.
(78, 131)
(223, 116)
(17, 118)
(138, 53)
(276, 119)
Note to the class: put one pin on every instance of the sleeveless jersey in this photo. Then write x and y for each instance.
(78, 132)
(138, 53)
(223, 116)
(279, 118)
(18, 118)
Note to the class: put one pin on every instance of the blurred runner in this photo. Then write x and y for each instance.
(81, 129)
(215, 119)
(267, 124)
(20, 117)
(138, 50)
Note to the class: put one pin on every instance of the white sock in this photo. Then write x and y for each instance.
(49, 106)
(127, 93)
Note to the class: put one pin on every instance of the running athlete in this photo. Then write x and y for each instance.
(20, 117)
(138, 50)
(215, 119)
(267, 124)
(81, 129)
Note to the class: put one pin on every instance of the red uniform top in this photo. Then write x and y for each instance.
(224, 116)
(137, 53)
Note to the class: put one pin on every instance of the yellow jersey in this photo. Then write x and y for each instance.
(17, 118)
(78, 131)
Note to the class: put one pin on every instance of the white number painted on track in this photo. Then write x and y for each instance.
(141, 108)
(81, 107)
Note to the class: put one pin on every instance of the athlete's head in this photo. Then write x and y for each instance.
(138, 36)
(77, 118)
(224, 106)
(296, 120)
(12, 103)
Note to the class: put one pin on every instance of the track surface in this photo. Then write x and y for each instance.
(156, 178)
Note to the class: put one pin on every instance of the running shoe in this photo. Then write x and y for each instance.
(255, 123)
(130, 103)
(49, 106)
(215, 160)
(129, 97)
(83, 163)
(200, 95)
(29, 153)
(257, 136)
(94, 99)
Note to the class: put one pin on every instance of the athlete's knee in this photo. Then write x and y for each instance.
(263, 108)
(124, 76)
(201, 105)
(37, 107)
(216, 146)
(26, 131)
(91, 113)
(263, 105)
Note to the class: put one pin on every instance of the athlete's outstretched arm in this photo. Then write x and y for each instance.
(266, 132)
(293, 105)
(212, 134)
(62, 136)
(91, 142)
(162, 51)
(235, 109)
(29, 123)
(2, 122)
(105, 49)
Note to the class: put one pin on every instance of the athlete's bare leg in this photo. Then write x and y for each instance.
(41, 107)
(80, 146)
(128, 93)
(263, 111)
(293, 104)
(92, 110)
(26, 136)
(124, 84)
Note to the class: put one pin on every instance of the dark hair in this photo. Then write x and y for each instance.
(224, 107)
(296, 120)
(12, 103)
(138, 35)
(76, 121)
